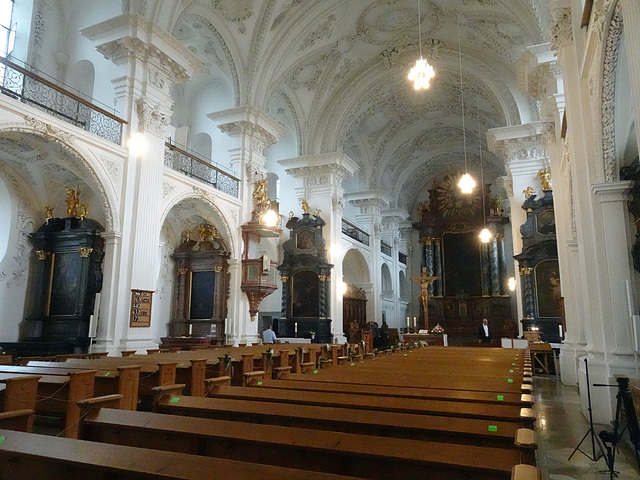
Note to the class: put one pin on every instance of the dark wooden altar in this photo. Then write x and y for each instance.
(202, 287)
(306, 277)
(539, 269)
(67, 274)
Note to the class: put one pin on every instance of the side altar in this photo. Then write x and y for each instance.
(306, 276)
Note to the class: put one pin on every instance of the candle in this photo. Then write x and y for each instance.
(414, 322)
(560, 328)
(190, 328)
(408, 322)
(295, 328)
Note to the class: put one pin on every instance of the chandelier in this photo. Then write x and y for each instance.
(422, 72)
(466, 183)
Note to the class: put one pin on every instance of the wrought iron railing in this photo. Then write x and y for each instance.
(402, 258)
(194, 167)
(351, 231)
(385, 248)
(23, 85)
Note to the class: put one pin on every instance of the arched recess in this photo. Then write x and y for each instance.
(359, 298)
(200, 144)
(186, 211)
(81, 77)
(37, 166)
(402, 286)
(387, 283)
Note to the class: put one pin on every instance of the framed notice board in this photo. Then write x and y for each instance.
(140, 308)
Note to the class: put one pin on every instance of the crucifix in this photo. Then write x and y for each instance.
(424, 282)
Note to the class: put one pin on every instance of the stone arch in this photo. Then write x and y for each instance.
(206, 199)
(97, 176)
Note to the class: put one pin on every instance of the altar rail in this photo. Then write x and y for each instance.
(34, 90)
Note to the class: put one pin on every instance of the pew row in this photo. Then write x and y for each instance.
(507, 413)
(339, 453)
(385, 424)
(27, 455)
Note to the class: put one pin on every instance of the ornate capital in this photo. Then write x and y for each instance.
(152, 118)
(261, 137)
(183, 271)
(561, 29)
(526, 270)
(85, 251)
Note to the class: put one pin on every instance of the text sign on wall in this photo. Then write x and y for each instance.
(140, 308)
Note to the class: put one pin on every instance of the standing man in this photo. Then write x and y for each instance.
(483, 332)
(269, 336)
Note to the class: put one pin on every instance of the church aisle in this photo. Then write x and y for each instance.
(560, 427)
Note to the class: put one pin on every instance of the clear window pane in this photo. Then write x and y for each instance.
(6, 9)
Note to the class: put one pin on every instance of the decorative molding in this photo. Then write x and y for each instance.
(167, 188)
(152, 118)
(561, 28)
(610, 61)
(260, 137)
(324, 30)
(549, 132)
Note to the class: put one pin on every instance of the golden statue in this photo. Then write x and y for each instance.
(305, 206)
(260, 191)
(317, 212)
(528, 192)
(72, 201)
(206, 232)
(82, 211)
(495, 202)
(545, 178)
(291, 214)
(49, 212)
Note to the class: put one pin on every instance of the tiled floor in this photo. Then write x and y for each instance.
(560, 427)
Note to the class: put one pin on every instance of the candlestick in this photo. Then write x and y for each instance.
(408, 322)
(415, 323)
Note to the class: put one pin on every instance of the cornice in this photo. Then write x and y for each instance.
(248, 119)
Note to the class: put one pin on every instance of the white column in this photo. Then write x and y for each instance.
(631, 32)
(151, 61)
(109, 295)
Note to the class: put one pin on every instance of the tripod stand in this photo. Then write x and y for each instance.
(611, 439)
(596, 455)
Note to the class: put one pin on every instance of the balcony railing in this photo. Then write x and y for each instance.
(29, 88)
(351, 231)
(402, 258)
(385, 248)
(192, 166)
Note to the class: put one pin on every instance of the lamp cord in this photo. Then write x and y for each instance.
(484, 211)
(419, 31)
(464, 133)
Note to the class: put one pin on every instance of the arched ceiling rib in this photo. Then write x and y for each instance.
(335, 71)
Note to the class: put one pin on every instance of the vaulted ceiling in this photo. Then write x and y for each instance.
(334, 72)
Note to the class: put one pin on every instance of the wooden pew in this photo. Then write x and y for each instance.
(515, 399)
(151, 374)
(521, 416)
(123, 380)
(31, 456)
(340, 453)
(388, 424)
(58, 394)
(19, 420)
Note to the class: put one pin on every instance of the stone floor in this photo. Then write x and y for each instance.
(560, 427)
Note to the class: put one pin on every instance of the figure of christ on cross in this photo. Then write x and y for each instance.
(424, 282)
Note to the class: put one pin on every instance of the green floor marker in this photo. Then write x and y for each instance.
(315, 371)
(493, 428)
(259, 383)
(106, 374)
(352, 364)
(501, 397)
(406, 354)
(513, 364)
(175, 399)
(2, 439)
(510, 371)
(510, 380)
(182, 364)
